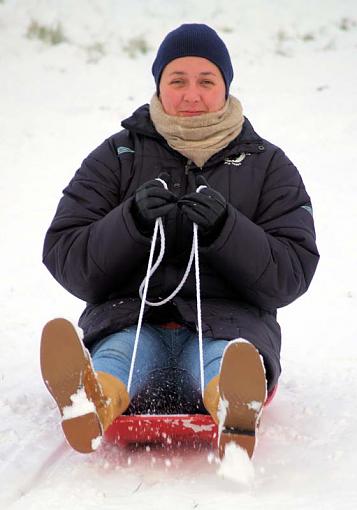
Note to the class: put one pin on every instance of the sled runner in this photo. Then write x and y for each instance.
(166, 429)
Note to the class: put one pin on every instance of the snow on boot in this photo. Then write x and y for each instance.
(88, 402)
(236, 397)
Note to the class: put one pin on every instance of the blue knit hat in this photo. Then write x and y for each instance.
(193, 40)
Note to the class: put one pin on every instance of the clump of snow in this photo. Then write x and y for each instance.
(222, 413)
(197, 428)
(255, 405)
(96, 442)
(211, 457)
(240, 341)
(236, 465)
(81, 405)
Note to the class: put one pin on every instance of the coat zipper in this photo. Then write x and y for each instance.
(187, 166)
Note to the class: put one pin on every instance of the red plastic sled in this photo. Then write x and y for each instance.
(166, 429)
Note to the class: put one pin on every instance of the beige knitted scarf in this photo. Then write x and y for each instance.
(198, 138)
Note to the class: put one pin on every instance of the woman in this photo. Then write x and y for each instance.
(190, 157)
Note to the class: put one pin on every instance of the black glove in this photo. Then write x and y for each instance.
(151, 201)
(207, 208)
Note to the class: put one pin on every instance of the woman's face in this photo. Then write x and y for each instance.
(191, 86)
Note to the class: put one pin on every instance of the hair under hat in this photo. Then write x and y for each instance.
(193, 40)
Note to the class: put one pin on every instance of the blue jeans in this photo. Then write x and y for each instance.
(166, 377)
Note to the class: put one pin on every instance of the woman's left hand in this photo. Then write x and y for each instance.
(207, 208)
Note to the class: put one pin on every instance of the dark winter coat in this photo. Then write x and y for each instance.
(264, 257)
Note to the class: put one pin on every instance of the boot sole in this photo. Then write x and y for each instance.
(64, 361)
(242, 385)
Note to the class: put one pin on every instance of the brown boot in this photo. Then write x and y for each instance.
(211, 397)
(117, 399)
(236, 397)
(88, 402)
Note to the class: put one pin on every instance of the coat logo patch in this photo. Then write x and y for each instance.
(238, 160)
(123, 150)
(308, 208)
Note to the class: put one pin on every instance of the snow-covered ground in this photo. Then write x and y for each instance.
(296, 75)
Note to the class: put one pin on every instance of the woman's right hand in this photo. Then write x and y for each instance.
(151, 201)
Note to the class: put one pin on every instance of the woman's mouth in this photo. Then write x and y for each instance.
(190, 113)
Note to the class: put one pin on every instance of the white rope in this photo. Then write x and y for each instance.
(198, 305)
(198, 301)
(158, 224)
(143, 290)
(157, 263)
(142, 307)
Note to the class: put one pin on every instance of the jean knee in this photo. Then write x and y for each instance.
(212, 354)
(113, 354)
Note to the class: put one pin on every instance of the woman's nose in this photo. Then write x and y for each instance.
(191, 93)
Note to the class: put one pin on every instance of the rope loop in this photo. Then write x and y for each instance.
(143, 289)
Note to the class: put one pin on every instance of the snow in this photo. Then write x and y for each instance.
(296, 75)
(255, 405)
(236, 465)
(96, 442)
(197, 428)
(222, 413)
(80, 406)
